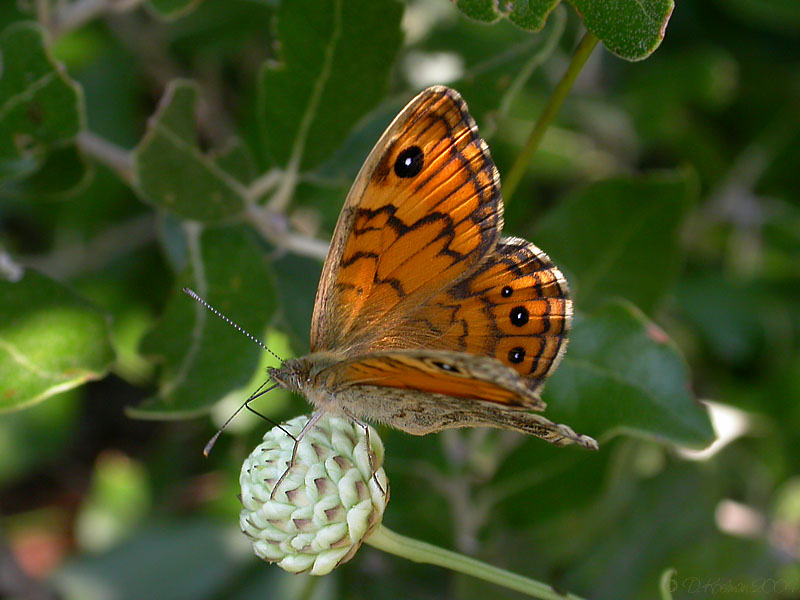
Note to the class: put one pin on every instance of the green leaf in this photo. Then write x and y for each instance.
(39, 105)
(337, 56)
(619, 237)
(299, 277)
(203, 357)
(486, 11)
(631, 29)
(170, 170)
(622, 373)
(172, 9)
(51, 340)
(530, 15)
(63, 173)
(237, 160)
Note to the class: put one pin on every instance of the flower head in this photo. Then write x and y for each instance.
(329, 501)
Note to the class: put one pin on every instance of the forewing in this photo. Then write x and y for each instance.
(413, 223)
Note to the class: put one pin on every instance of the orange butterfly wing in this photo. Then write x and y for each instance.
(447, 373)
(515, 307)
(424, 210)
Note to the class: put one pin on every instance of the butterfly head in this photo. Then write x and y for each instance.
(293, 374)
(304, 375)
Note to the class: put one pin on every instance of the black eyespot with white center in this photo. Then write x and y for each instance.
(507, 291)
(409, 162)
(445, 367)
(519, 316)
(516, 355)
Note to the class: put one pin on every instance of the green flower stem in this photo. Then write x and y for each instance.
(422, 552)
(582, 53)
(666, 583)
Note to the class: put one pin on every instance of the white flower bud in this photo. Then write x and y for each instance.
(327, 504)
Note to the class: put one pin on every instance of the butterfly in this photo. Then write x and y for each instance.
(425, 317)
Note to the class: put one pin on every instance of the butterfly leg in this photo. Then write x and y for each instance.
(306, 428)
(267, 419)
(372, 468)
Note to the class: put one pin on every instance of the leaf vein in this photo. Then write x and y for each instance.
(26, 94)
(24, 362)
(284, 192)
(188, 148)
(198, 270)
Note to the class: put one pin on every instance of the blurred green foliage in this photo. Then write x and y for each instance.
(211, 143)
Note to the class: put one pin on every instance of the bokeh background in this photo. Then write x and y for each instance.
(159, 154)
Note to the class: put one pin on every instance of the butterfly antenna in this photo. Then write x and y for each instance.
(246, 404)
(194, 295)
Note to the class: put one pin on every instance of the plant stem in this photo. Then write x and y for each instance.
(422, 552)
(107, 153)
(665, 585)
(275, 228)
(582, 53)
